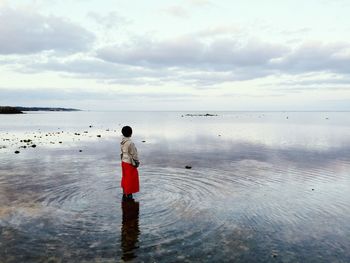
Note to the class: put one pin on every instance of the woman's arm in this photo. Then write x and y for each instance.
(133, 154)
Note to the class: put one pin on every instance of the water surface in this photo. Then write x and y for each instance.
(264, 187)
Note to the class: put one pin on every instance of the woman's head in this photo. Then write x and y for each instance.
(127, 131)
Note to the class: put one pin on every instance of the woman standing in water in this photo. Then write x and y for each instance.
(130, 162)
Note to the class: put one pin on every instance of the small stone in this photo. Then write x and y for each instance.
(90, 126)
(312, 189)
(99, 136)
(80, 151)
(16, 152)
(188, 167)
(59, 142)
(33, 145)
(274, 254)
(143, 141)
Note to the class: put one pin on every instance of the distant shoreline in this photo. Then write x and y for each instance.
(20, 109)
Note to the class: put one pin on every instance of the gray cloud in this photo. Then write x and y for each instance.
(25, 32)
(93, 68)
(187, 51)
(220, 30)
(227, 54)
(228, 60)
(204, 58)
(319, 82)
(83, 93)
(316, 57)
(114, 73)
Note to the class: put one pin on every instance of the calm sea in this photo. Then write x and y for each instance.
(264, 187)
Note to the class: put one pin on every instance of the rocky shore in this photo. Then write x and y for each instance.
(45, 109)
(9, 110)
(18, 110)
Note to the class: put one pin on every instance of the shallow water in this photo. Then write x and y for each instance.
(264, 187)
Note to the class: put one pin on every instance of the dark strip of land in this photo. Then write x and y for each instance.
(44, 109)
(9, 110)
(19, 110)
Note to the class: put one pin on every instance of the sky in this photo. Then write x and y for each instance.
(176, 55)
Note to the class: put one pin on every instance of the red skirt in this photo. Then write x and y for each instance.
(130, 179)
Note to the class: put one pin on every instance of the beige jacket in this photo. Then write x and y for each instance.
(128, 150)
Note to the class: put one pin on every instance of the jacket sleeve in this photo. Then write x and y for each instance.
(133, 151)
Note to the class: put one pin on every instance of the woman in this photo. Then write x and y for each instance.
(130, 162)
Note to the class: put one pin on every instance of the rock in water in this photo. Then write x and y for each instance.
(188, 167)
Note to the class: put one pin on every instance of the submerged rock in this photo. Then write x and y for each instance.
(200, 115)
(188, 167)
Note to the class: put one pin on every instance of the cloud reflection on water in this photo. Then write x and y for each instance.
(248, 195)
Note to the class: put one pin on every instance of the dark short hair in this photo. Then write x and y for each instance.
(127, 131)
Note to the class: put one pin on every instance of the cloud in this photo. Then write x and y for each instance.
(316, 57)
(231, 54)
(219, 31)
(24, 32)
(177, 11)
(115, 73)
(183, 11)
(110, 21)
(9, 95)
(93, 68)
(213, 56)
(198, 61)
(188, 51)
(320, 81)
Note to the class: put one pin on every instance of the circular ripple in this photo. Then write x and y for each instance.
(176, 206)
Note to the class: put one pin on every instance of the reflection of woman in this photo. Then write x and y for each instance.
(130, 229)
(130, 162)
